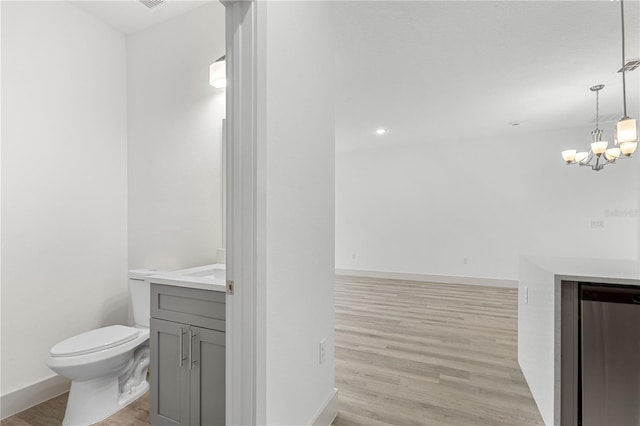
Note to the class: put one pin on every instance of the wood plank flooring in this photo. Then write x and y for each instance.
(407, 353)
(51, 413)
(412, 353)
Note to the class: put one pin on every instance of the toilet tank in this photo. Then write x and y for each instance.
(140, 294)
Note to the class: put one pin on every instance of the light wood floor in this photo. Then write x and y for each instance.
(407, 353)
(51, 413)
(410, 353)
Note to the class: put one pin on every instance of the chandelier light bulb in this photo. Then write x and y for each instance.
(569, 155)
(628, 148)
(612, 154)
(599, 147)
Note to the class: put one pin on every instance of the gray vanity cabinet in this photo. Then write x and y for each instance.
(207, 377)
(187, 371)
(169, 375)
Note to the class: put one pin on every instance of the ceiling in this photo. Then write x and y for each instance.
(462, 70)
(130, 16)
(459, 70)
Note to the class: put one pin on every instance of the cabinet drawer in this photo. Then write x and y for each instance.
(202, 308)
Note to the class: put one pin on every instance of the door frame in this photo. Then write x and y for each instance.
(243, 329)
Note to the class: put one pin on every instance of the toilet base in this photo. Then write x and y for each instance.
(95, 400)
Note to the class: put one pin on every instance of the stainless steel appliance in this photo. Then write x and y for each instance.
(610, 355)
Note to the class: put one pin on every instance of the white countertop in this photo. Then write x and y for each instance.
(207, 277)
(595, 270)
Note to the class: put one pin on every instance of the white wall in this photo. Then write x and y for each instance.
(297, 188)
(423, 209)
(64, 219)
(175, 133)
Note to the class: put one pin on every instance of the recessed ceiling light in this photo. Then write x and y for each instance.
(381, 131)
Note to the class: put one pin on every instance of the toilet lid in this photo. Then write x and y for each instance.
(94, 340)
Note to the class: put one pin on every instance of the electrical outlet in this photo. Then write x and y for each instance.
(353, 256)
(465, 260)
(323, 351)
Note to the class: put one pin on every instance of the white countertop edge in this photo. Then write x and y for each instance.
(189, 282)
(606, 271)
(190, 278)
(597, 280)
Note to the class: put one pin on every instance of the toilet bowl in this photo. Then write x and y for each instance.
(107, 366)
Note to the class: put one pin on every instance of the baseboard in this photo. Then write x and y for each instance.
(444, 279)
(328, 412)
(21, 399)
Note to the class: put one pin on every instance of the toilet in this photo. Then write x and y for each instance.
(107, 366)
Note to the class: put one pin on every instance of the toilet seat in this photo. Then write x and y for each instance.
(94, 341)
(100, 355)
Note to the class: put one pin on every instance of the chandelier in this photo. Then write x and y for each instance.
(626, 133)
(598, 156)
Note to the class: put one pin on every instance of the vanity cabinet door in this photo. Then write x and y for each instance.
(208, 377)
(169, 374)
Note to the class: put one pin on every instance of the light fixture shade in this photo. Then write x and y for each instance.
(569, 155)
(599, 147)
(581, 156)
(626, 131)
(628, 148)
(218, 73)
(612, 154)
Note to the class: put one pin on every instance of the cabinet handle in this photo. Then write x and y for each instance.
(191, 349)
(181, 362)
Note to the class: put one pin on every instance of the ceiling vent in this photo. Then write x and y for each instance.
(631, 65)
(152, 3)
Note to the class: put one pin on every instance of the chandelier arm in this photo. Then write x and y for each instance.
(597, 167)
(589, 158)
(587, 161)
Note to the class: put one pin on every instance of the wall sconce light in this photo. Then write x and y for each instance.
(218, 73)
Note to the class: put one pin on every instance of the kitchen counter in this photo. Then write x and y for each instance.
(208, 277)
(539, 313)
(600, 270)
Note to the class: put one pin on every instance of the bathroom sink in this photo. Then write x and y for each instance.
(215, 272)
